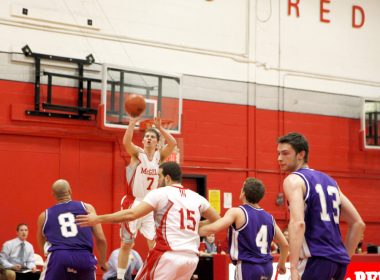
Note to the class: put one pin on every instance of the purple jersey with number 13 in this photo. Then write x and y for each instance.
(322, 211)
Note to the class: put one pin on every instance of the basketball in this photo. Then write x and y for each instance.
(135, 105)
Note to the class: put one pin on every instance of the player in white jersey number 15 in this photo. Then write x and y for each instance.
(177, 216)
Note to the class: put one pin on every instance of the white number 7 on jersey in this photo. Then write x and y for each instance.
(150, 180)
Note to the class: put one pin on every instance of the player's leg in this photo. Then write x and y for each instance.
(43, 272)
(168, 266)
(186, 265)
(84, 263)
(340, 272)
(148, 229)
(149, 265)
(123, 259)
(128, 232)
(56, 264)
(128, 235)
(321, 268)
(69, 264)
(251, 271)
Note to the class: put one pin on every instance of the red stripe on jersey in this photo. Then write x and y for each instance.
(130, 183)
(162, 243)
(127, 201)
(150, 265)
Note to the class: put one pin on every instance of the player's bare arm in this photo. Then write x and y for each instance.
(221, 224)
(169, 139)
(131, 148)
(294, 189)
(281, 241)
(40, 237)
(210, 215)
(355, 223)
(100, 240)
(204, 223)
(120, 216)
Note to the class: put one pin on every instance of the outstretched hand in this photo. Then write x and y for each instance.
(88, 220)
(157, 121)
(134, 120)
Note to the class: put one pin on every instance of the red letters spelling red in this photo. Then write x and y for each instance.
(293, 7)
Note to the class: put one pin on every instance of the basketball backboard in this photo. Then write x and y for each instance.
(161, 92)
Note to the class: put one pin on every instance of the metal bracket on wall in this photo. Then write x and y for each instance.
(81, 111)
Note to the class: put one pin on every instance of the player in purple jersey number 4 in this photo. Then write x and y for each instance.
(251, 231)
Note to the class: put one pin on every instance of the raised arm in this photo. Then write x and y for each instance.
(281, 241)
(40, 237)
(294, 189)
(100, 240)
(117, 217)
(131, 148)
(221, 224)
(169, 139)
(355, 223)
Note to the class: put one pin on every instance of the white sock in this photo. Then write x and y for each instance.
(121, 272)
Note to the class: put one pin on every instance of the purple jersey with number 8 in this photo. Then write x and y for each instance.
(70, 246)
(61, 231)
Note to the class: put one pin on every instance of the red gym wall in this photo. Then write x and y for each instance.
(223, 141)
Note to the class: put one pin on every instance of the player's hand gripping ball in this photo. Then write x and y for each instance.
(135, 105)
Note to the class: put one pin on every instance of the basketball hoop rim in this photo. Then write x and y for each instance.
(148, 123)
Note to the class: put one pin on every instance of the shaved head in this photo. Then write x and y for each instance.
(61, 188)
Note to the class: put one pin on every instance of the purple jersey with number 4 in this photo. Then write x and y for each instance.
(322, 211)
(61, 231)
(251, 243)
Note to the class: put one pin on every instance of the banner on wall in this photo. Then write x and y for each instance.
(227, 200)
(214, 199)
(363, 271)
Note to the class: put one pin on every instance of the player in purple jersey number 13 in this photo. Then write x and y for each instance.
(316, 204)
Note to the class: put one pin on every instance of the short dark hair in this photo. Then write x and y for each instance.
(154, 131)
(254, 190)
(298, 142)
(20, 225)
(172, 169)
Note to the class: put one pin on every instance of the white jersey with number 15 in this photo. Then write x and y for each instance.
(177, 213)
